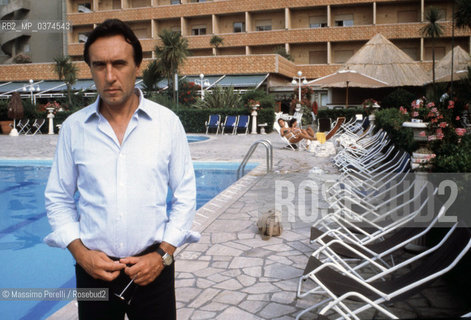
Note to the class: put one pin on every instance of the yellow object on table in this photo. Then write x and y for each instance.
(320, 137)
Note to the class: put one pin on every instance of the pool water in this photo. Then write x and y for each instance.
(26, 262)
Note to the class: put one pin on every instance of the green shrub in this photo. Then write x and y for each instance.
(454, 157)
(398, 98)
(219, 98)
(390, 120)
(266, 100)
(193, 119)
(335, 113)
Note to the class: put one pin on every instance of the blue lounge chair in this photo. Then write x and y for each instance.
(213, 122)
(230, 123)
(243, 123)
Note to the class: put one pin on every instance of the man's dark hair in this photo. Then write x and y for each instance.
(113, 27)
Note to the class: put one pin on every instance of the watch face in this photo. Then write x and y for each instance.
(167, 259)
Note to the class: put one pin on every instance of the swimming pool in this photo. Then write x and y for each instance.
(28, 263)
(191, 138)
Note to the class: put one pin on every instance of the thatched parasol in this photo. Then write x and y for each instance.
(381, 59)
(15, 111)
(348, 78)
(461, 61)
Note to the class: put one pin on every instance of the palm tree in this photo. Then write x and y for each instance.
(433, 30)
(171, 54)
(66, 71)
(463, 13)
(216, 41)
(151, 76)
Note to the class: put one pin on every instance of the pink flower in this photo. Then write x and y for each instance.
(457, 118)
(451, 104)
(439, 133)
(422, 133)
(430, 105)
(402, 110)
(415, 114)
(443, 124)
(460, 131)
(435, 110)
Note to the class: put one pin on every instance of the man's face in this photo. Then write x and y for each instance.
(113, 70)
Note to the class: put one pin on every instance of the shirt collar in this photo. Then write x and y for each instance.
(142, 108)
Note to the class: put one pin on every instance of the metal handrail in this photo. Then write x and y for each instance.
(269, 148)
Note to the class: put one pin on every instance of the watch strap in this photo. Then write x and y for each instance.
(161, 251)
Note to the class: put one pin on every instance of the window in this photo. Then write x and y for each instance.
(263, 25)
(318, 57)
(239, 27)
(345, 20)
(341, 56)
(198, 1)
(317, 22)
(407, 16)
(3, 2)
(198, 30)
(82, 37)
(84, 7)
(174, 1)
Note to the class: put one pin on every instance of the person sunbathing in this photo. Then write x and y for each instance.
(293, 135)
(293, 124)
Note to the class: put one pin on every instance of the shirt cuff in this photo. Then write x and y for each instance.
(63, 236)
(177, 237)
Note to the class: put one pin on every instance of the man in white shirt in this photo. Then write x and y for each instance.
(120, 155)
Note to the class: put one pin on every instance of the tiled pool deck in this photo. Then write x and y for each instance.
(231, 273)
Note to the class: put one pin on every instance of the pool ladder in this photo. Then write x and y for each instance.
(254, 146)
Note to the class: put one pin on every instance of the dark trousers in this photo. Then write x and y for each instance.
(154, 301)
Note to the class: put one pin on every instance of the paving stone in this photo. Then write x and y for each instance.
(281, 271)
(198, 247)
(243, 262)
(246, 281)
(203, 283)
(279, 248)
(203, 298)
(280, 259)
(190, 265)
(180, 283)
(207, 272)
(293, 236)
(288, 285)
(223, 250)
(238, 246)
(228, 225)
(217, 277)
(284, 297)
(199, 315)
(221, 237)
(273, 310)
(184, 313)
(253, 306)
(220, 264)
(214, 306)
(230, 297)
(232, 313)
(259, 297)
(189, 255)
(186, 294)
(183, 275)
(222, 258)
(258, 252)
(261, 288)
(244, 236)
(253, 271)
(230, 284)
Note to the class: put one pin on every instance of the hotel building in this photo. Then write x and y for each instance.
(319, 35)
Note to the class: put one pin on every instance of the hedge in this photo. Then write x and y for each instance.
(193, 119)
(335, 113)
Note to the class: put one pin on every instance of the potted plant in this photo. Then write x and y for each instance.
(6, 123)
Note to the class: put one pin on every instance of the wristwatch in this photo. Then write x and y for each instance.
(167, 259)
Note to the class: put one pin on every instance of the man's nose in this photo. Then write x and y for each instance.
(110, 75)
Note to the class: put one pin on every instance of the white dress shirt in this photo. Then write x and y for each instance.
(122, 189)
